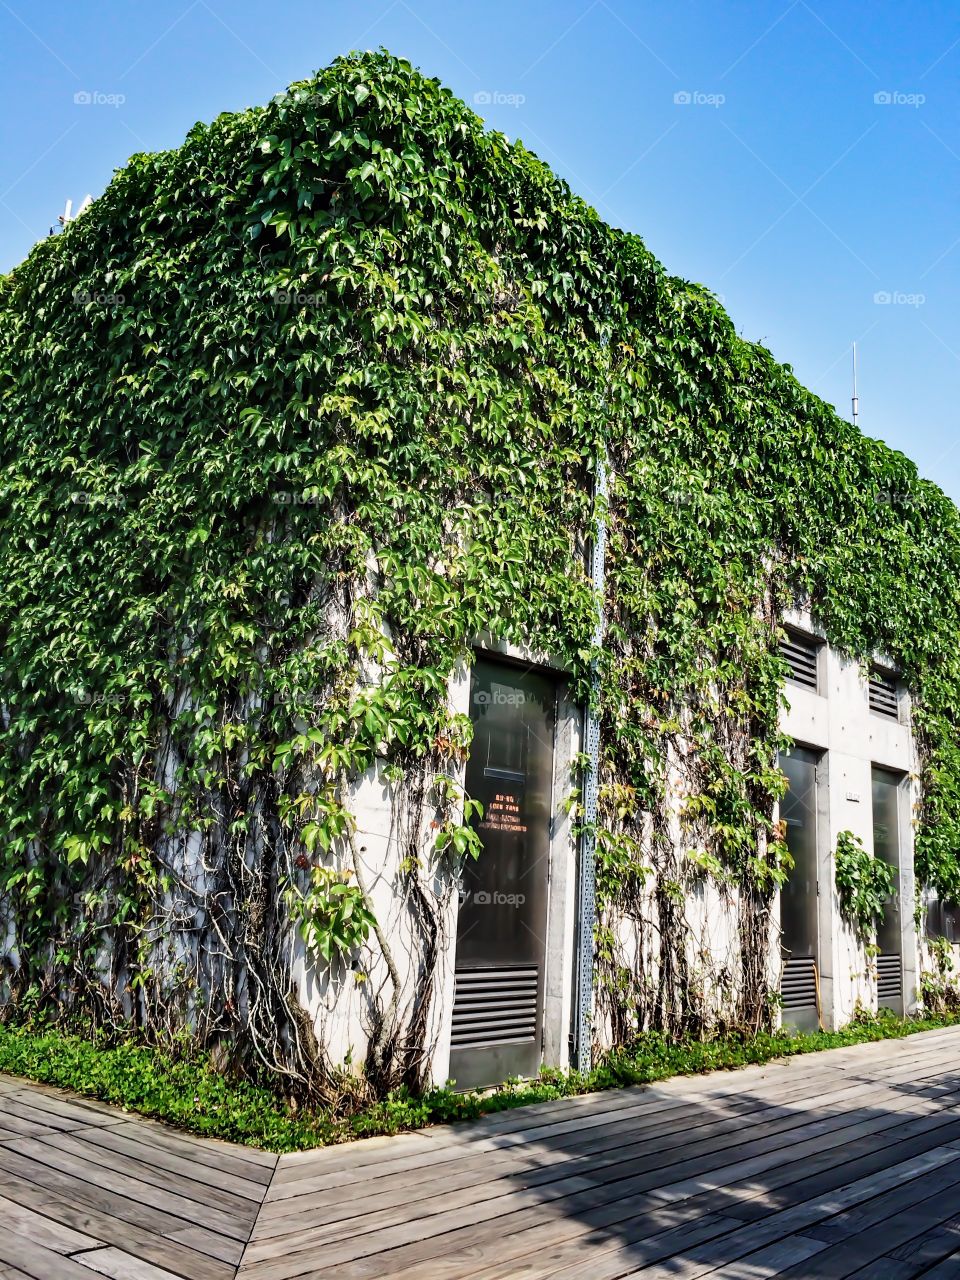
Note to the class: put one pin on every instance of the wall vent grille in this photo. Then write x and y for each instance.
(494, 1006)
(883, 695)
(800, 655)
(798, 987)
(889, 979)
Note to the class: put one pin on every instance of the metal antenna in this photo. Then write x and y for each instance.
(855, 401)
(69, 216)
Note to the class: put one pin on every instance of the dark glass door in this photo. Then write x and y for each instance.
(886, 845)
(799, 897)
(501, 929)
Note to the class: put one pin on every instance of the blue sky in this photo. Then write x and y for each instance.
(802, 160)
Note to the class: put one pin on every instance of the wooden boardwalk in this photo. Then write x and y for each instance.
(839, 1164)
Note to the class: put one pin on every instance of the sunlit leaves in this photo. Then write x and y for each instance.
(299, 411)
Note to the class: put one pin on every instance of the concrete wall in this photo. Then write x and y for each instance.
(838, 721)
(341, 1000)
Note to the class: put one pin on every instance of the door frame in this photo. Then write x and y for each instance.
(556, 998)
(824, 896)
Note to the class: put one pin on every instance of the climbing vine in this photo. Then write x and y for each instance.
(864, 883)
(289, 418)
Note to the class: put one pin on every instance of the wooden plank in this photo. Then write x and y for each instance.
(457, 1237)
(509, 1127)
(591, 1256)
(932, 1247)
(122, 1266)
(766, 1171)
(828, 1135)
(43, 1229)
(147, 1172)
(130, 1144)
(206, 1242)
(17, 1126)
(285, 1256)
(116, 1217)
(825, 1173)
(948, 1269)
(40, 1152)
(177, 1138)
(437, 1197)
(375, 1264)
(222, 1156)
(187, 1259)
(618, 1141)
(904, 1071)
(583, 1138)
(8, 1135)
(867, 1246)
(770, 1261)
(43, 1264)
(685, 1134)
(41, 1118)
(91, 1110)
(63, 1101)
(884, 1207)
(885, 1269)
(545, 1246)
(555, 1244)
(57, 1112)
(800, 1218)
(380, 1154)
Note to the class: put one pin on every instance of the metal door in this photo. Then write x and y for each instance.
(501, 929)
(799, 896)
(886, 845)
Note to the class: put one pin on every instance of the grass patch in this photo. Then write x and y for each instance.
(187, 1091)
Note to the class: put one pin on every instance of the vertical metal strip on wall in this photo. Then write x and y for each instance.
(587, 911)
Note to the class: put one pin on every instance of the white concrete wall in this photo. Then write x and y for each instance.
(340, 998)
(340, 1005)
(838, 721)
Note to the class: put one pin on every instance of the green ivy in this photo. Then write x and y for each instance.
(288, 418)
(864, 883)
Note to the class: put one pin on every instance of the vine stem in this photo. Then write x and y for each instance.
(390, 1017)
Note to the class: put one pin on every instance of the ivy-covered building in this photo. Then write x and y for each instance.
(433, 642)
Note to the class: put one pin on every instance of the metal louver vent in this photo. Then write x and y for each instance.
(883, 695)
(494, 1006)
(798, 987)
(889, 979)
(800, 655)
